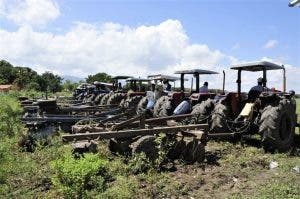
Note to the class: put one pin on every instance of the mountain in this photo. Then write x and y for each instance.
(72, 78)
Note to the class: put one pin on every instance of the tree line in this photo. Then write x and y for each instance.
(26, 78)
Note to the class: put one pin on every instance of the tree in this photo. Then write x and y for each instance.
(50, 82)
(101, 77)
(6, 72)
(69, 85)
(25, 76)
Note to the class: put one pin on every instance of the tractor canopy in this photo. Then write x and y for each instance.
(257, 66)
(196, 71)
(263, 66)
(121, 77)
(164, 77)
(132, 79)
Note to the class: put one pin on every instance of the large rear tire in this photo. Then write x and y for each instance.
(218, 119)
(104, 99)
(277, 126)
(115, 99)
(202, 111)
(141, 107)
(158, 105)
(98, 98)
(132, 102)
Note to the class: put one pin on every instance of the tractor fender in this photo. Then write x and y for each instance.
(182, 108)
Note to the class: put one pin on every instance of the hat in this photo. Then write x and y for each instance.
(260, 80)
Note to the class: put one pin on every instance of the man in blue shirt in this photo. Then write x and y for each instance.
(204, 88)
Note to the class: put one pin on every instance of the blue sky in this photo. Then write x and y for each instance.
(239, 30)
(248, 24)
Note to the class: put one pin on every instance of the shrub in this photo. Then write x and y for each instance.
(122, 187)
(73, 177)
(139, 163)
(10, 114)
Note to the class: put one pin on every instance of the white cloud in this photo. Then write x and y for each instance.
(121, 50)
(29, 12)
(111, 48)
(270, 44)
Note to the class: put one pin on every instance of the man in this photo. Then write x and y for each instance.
(259, 86)
(204, 88)
(167, 85)
(253, 94)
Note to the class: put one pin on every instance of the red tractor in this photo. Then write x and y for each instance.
(134, 91)
(102, 99)
(147, 103)
(166, 105)
(268, 112)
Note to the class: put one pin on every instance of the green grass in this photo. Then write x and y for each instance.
(298, 106)
(230, 171)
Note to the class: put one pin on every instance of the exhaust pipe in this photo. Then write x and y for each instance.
(223, 89)
(284, 80)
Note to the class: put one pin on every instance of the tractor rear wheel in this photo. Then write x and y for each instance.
(277, 126)
(141, 108)
(99, 97)
(115, 99)
(147, 145)
(131, 102)
(202, 111)
(158, 105)
(104, 99)
(166, 109)
(218, 119)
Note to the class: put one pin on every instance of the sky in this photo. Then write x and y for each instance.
(138, 38)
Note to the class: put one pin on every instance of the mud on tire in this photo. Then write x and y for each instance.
(99, 97)
(104, 99)
(277, 126)
(131, 102)
(161, 107)
(202, 111)
(115, 99)
(141, 107)
(218, 119)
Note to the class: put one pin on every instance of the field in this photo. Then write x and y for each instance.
(230, 170)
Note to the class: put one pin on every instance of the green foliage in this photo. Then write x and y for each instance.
(73, 177)
(26, 78)
(163, 144)
(6, 72)
(69, 85)
(51, 82)
(122, 188)
(279, 189)
(139, 163)
(10, 113)
(101, 77)
(298, 105)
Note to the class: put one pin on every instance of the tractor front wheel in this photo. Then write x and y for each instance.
(277, 126)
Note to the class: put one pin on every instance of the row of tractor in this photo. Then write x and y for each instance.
(130, 118)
